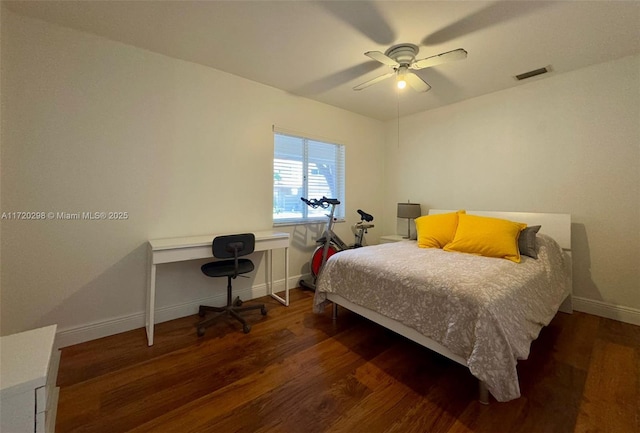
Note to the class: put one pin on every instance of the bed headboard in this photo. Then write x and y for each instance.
(556, 225)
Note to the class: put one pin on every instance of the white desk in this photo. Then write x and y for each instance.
(199, 247)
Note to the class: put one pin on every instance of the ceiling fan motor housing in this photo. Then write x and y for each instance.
(403, 53)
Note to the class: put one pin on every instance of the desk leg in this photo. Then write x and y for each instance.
(269, 267)
(284, 301)
(286, 276)
(151, 303)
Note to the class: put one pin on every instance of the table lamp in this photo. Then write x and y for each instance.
(409, 211)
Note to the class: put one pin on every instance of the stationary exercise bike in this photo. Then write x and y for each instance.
(330, 243)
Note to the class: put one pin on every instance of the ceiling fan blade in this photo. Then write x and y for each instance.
(364, 17)
(418, 84)
(382, 58)
(374, 81)
(449, 56)
(484, 18)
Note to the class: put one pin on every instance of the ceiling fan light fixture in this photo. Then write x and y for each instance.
(401, 82)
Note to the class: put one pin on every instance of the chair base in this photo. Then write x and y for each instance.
(231, 309)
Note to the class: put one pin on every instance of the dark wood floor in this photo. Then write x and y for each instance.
(300, 372)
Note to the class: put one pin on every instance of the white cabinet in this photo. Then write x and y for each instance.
(28, 372)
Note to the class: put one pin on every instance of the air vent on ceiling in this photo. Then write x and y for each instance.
(533, 73)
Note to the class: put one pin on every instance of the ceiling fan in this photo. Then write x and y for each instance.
(402, 58)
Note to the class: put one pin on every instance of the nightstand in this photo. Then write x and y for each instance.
(391, 238)
(28, 392)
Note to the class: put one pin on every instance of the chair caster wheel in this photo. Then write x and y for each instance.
(201, 330)
(238, 302)
(263, 310)
(246, 328)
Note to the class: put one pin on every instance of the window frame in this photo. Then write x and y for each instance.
(339, 164)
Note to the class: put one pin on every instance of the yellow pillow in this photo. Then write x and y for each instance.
(435, 231)
(489, 237)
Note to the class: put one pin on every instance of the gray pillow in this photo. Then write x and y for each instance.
(527, 242)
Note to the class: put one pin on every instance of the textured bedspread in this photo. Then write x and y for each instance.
(486, 310)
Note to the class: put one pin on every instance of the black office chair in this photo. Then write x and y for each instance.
(229, 247)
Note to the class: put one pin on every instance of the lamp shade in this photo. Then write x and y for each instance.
(409, 210)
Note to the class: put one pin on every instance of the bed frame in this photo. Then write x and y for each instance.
(555, 225)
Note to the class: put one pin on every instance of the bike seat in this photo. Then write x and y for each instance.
(365, 216)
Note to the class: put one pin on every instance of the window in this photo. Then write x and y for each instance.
(304, 167)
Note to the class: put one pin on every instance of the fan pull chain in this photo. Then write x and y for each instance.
(398, 108)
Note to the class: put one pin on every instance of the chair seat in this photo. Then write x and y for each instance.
(226, 268)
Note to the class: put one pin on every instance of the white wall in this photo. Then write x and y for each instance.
(568, 143)
(1, 19)
(1, 38)
(95, 125)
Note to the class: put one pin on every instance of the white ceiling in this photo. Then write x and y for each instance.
(316, 49)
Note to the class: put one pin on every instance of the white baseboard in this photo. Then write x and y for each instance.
(92, 331)
(609, 311)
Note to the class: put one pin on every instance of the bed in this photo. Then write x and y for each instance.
(481, 312)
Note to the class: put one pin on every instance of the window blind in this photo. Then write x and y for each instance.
(305, 167)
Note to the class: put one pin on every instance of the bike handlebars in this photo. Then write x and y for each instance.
(323, 202)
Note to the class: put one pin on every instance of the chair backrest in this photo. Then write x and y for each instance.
(233, 246)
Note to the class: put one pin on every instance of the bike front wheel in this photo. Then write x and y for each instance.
(316, 258)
